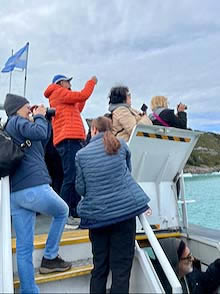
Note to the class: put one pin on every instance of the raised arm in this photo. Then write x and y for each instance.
(35, 131)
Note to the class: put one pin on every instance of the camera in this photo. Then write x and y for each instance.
(185, 106)
(144, 108)
(50, 112)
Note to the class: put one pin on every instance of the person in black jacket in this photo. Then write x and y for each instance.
(163, 116)
(191, 278)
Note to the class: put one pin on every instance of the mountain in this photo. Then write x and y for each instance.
(206, 155)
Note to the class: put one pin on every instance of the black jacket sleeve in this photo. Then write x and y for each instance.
(205, 282)
(176, 121)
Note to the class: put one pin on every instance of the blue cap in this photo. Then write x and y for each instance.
(58, 78)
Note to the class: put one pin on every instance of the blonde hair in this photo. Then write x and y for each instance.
(158, 101)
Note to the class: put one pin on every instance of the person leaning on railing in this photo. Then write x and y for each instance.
(31, 193)
(163, 116)
(111, 201)
(124, 117)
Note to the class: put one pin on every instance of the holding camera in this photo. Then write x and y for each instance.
(163, 116)
(181, 107)
(45, 111)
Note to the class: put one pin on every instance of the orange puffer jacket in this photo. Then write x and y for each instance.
(67, 123)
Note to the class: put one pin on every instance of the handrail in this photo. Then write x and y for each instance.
(148, 270)
(6, 268)
(168, 270)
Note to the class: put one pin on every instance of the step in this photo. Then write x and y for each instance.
(82, 236)
(76, 271)
(74, 245)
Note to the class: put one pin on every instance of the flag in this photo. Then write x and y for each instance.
(17, 60)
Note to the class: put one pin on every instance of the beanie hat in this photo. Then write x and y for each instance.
(13, 103)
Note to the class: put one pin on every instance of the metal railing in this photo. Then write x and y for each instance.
(168, 270)
(6, 268)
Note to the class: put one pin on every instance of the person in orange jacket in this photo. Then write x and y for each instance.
(68, 130)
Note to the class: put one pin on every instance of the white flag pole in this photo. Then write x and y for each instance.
(10, 75)
(25, 74)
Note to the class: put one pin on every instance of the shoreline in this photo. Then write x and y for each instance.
(201, 169)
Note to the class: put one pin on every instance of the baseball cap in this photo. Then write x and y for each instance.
(58, 78)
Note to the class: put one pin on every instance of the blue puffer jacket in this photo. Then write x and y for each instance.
(32, 171)
(110, 193)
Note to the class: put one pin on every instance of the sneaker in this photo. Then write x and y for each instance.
(72, 221)
(54, 265)
(71, 227)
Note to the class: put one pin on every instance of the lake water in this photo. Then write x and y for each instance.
(205, 190)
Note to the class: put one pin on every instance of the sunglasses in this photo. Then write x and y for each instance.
(189, 257)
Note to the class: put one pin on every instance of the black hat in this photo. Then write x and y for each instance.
(13, 103)
(181, 245)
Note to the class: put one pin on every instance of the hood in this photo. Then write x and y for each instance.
(112, 107)
(50, 89)
(169, 247)
(157, 111)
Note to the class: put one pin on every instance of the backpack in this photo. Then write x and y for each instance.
(11, 154)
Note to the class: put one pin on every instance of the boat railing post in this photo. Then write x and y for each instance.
(184, 205)
(6, 268)
(167, 268)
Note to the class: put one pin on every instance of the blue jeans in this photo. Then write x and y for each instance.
(24, 205)
(67, 150)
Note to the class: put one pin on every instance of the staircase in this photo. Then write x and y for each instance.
(76, 247)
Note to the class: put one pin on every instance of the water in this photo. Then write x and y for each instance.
(205, 190)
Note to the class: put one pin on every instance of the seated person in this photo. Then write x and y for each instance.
(163, 116)
(124, 118)
(191, 278)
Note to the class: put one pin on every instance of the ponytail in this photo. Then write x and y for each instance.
(111, 143)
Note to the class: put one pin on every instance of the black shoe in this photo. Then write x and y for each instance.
(54, 265)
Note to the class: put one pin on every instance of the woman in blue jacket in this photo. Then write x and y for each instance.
(111, 201)
(31, 193)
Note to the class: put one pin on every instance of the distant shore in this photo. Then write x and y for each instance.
(201, 169)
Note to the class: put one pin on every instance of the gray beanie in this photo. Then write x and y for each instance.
(13, 103)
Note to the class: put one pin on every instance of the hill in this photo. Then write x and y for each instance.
(206, 155)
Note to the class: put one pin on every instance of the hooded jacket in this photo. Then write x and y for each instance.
(110, 194)
(124, 119)
(67, 123)
(196, 282)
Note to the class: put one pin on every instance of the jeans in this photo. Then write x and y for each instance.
(113, 249)
(67, 150)
(24, 205)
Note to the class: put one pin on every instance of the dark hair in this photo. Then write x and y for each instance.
(118, 94)
(111, 143)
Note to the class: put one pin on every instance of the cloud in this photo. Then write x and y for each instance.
(154, 47)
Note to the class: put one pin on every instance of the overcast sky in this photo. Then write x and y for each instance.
(155, 47)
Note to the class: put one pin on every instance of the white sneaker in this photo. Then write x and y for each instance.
(73, 221)
(71, 227)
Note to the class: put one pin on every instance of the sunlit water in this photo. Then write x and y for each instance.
(205, 190)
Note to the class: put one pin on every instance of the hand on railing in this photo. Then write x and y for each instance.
(148, 212)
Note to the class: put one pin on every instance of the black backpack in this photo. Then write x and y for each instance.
(11, 154)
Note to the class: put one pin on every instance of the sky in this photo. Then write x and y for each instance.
(154, 47)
